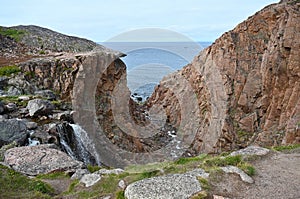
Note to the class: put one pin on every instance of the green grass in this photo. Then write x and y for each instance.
(16, 185)
(9, 70)
(92, 168)
(53, 175)
(13, 99)
(286, 148)
(13, 33)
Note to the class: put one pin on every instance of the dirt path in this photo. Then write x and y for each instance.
(277, 177)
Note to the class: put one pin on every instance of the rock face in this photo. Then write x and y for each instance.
(247, 84)
(13, 130)
(165, 187)
(34, 160)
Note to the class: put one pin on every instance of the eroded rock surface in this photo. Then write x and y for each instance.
(164, 187)
(34, 160)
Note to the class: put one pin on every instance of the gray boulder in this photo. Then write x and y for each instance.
(34, 160)
(90, 179)
(164, 187)
(251, 150)
(14, 91)
(13, 130)
(38, 107)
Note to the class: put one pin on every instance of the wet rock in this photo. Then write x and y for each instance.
(39, 107)
(2, 107)
(13, 130)
(3, 82)
(90, 179)
(164, 187)
(48, 94)
(34, 160)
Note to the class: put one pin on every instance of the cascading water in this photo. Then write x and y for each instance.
(76, 143)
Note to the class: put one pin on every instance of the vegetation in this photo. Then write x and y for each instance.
(13, 33)
(9, 70)
(108, 185)
(16, 185)
(286, 148)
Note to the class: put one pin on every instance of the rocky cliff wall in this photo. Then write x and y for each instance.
(247, 83)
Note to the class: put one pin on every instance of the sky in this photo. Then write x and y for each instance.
(101, 20)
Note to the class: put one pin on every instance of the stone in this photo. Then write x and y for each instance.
(10, 107)
(2, 107)
(90, 179)
(242, 174)
(164, 187)
(31, 125)
(79, 173)
(24, 98)
(199, 173)
(48, 94)
(13, 91)
(13, 130)
(3, 82)
(251, 150)
(122, 184)
(39, 107)
(107, 171)
(40, 159)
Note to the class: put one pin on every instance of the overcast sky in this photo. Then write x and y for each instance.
(100, 20)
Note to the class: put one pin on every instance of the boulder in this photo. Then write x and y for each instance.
(90, 179)
(38, 107)
(31, 125)
(251, 150)
(164, 187)
(79, 173)
(40, 159)
(107, 171)
(13, 130)
(242, 174)
(13, 91)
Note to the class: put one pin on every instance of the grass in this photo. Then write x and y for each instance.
(16, 185)
(286, 148)
(13, 33)
(9, 70)
(13, 99)
(92, 168)
(53, 175)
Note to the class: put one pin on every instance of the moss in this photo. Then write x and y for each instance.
(190, 159)
(13, 33)
(16, 185)
(9, 70)
(92, 168)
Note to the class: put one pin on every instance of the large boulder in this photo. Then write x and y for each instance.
(37, 107)
(13, 130)
(34, 160)
(164, 187)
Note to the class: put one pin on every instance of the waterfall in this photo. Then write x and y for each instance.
(76, 143)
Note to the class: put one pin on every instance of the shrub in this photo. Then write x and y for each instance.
(13, 33)
(8, 70)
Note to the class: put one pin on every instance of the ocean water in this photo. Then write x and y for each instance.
(148, 62)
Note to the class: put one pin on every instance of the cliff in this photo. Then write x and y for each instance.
(246, 84)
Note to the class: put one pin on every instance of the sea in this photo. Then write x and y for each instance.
(148, 62)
